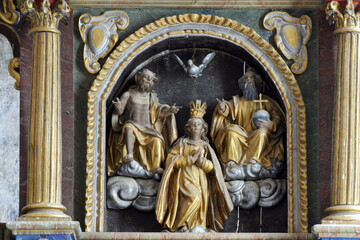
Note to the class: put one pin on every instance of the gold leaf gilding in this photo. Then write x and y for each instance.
(92, 205)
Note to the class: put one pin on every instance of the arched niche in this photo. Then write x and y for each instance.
(205, 33)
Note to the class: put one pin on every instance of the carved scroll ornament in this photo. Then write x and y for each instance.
(99, 33)
(8, 12)
(292, 35)
(13, 67)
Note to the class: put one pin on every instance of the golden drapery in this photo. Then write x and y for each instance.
(236, 137)
(190, 195)
(150, 143)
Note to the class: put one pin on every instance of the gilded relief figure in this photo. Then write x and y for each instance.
(141, 131)
(192, 196)
(241, 137)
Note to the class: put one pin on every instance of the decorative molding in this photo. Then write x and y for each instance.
(207, 26)
(14, 67)
(35, 230)
(237, 4)
(99, 34)
(292, 35)
(8, 12)
(336, 231)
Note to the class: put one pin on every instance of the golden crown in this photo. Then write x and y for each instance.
(197, 110)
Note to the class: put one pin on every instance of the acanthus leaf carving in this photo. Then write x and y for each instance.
(345, 19)
(45, 18)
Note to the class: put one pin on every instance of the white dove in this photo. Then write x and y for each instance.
(193, 70)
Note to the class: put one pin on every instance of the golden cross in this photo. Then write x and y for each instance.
(260, 100)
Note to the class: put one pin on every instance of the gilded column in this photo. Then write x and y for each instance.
(345, 179)
(45, 140)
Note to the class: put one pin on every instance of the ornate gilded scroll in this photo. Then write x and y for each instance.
(8, 12)
(99, 33)
(292, 35)
(14, 65)
(10, 16)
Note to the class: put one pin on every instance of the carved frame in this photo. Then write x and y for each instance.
(260, 4)
(224, 30)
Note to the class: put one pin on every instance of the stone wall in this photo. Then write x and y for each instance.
(9, 137)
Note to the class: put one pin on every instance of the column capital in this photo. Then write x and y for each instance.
(44, 18)
(346, 20)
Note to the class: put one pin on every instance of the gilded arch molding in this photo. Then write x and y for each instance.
(224, 30)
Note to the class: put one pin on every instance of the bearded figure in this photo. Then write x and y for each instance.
(142, 128)
(239, 136)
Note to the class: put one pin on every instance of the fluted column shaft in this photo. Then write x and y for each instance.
(345, 179)
(45, 139)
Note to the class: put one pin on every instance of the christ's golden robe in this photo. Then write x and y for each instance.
(236, 138)
(190, 195)
(150, 143)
